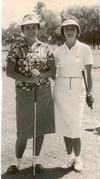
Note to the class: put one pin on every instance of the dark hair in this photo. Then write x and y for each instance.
(62, 30)
(73, 18)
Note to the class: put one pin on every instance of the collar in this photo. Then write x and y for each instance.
(75, 45)
(38, 42)
(36, 45)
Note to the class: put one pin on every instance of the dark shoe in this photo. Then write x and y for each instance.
(12, 169)
(39, 168)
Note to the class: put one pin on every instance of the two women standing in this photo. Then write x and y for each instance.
(31, 62)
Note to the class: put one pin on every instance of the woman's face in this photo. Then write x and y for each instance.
(31, 30)
(70, 32)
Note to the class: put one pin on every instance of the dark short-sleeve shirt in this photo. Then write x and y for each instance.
(27, 58)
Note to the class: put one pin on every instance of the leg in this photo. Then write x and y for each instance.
(68, 144)
(69, 148)
(39, 142)
(78, 166)
(20, 148)
(76, 146)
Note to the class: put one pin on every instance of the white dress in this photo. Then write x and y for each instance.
(69, 88)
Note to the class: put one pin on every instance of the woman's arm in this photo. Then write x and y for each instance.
(17, 76)
(51, 70)
(89, 79)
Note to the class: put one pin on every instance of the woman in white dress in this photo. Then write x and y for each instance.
(69, 92)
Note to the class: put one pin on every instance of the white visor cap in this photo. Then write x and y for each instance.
(70, 22)
(30, 19)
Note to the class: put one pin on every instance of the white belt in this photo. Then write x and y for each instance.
(69, 76)
(70, 79)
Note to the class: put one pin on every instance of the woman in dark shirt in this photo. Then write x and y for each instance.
(30, 62)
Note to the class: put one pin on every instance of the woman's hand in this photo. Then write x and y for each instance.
(89, 101)
(35, 72)
(36, 76)
(36, 79)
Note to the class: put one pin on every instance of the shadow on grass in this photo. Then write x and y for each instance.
(97, 132)
(46, 173)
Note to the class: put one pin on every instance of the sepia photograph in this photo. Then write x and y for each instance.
(50, 113)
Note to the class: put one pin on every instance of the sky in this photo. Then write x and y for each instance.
(14, 10)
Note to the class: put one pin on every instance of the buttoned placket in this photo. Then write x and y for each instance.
(76, 57)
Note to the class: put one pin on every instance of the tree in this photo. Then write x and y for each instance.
(49, 23)
(11, 33)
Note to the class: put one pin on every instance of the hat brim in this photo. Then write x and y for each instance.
(70, 22)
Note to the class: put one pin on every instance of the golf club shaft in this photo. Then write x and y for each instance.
(83, 73)
(34, 136)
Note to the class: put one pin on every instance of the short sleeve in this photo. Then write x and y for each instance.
(56, 60)
(49, 53)
(88, 56)
(12, 54)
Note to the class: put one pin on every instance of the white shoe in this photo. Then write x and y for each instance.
(78, 165)
(69, 163)
(17, 162)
